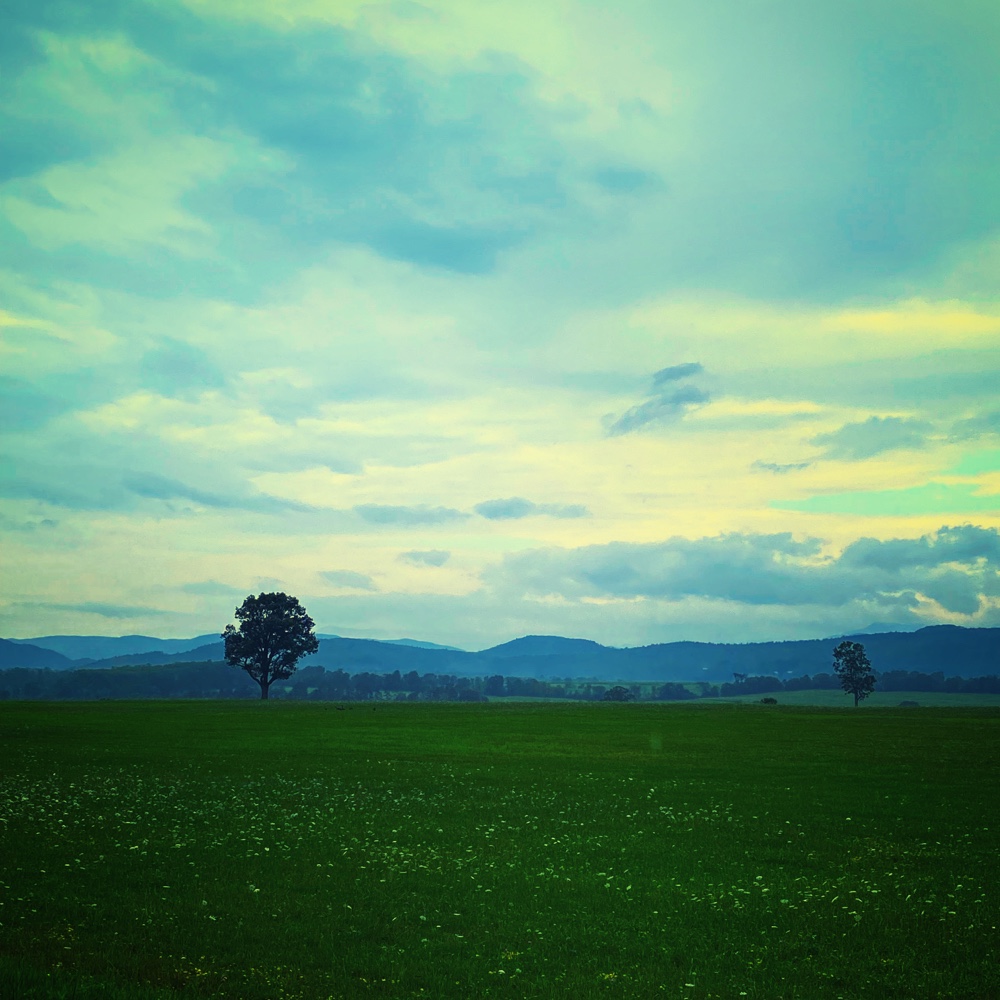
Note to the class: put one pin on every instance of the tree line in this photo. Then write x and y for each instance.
(275, 632)
(217, 680)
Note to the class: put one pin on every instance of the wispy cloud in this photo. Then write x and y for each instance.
(675, 372)
(376, 513)
(212, 588)
(174, 367)
(666, 404)
(22, 405)
(155, 487)
(426, 557)
(982, 425)
(513, 508)
(348, 578)
(780, 468)
(101, 610)
(874, 436)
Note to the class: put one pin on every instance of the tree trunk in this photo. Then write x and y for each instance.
(264, 685)
(855, 699)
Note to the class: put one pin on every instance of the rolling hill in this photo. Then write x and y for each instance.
(102, 647)
(949, 649)
(21, 654)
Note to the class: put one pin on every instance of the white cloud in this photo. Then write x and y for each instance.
(359, 307)
(127, 198)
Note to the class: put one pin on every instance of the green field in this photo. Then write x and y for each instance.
(248, 850)
(878, 699)
(829, 699)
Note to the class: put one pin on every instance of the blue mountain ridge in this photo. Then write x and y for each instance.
(20, 654)
(101, 647)
(949, 649)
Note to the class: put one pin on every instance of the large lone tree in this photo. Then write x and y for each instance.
(274, 634)
(851, 665)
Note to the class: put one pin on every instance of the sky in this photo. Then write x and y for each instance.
(460, 321)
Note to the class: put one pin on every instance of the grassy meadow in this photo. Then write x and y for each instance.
(246, 850)
(878, 699)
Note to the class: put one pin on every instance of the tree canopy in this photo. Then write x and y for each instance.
(852, 666)
(618, 693)
(274, 634)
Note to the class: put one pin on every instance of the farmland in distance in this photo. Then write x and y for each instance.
(200, 849)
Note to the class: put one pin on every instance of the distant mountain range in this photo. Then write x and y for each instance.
(949, 649)
(102, 647)
(97, 648)
(15, 653)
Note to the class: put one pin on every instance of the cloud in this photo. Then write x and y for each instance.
(982, 425)
(259, 255)
(175, 366)
(23, 406)
(93, 479)
(212, 588)
(625, 180)
(753, 569)
(666, 404)
(426, 557)
(369, 149)
(348, 578)
(26, 525)
(157, 487)
(675, 372)
(780, 468)
(517, 507)
(665, 408)
(103, 610)
(439, 145)
(22, 479)
(163, 149)
(466, 249)
(966, 544)
(127, 199)
(858, 441)
(955, 567)
(376, 513)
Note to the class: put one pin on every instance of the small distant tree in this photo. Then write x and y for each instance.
(274, 634)
(852, 666)
(618, 693)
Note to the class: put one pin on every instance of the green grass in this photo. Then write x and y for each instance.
(878, 699)
(247, 850)
(822, 699)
